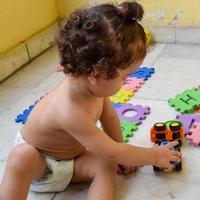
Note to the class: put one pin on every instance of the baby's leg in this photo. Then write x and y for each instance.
(102, 173)
(24, 164)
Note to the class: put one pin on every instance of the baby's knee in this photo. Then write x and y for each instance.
(22, 158)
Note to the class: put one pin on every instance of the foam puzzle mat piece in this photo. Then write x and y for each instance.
(186, 101)
(133, 83)
(122, 96)
(127, 129)
(60, 69)
(143, 72)
(141, 112)
(116, 105)
(188, 120)
(23, 117)
(194, 136)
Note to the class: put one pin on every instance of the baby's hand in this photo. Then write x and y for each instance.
(164, 155)
(124, 170)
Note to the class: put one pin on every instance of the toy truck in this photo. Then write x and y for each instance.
(163, 133)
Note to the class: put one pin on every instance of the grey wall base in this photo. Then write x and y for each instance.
(175, 34)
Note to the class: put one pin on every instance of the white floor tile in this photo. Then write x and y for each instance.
(177, 69)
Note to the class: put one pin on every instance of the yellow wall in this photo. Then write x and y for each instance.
(171, 12)
(157, 12)
(23, 18)
(67, 6)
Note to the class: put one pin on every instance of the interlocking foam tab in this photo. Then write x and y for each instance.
(127, 129)
(188, 120)
(194, 135)
(141, 112)
(187, 101)
(122, 96)
(133, 83)
(23, 117)
(198, 108)
(143, 72)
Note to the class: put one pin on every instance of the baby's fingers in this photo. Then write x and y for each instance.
(169, 168)
(171, 144)
(176, 153)
(175, 159)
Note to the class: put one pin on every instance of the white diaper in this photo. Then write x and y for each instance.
(58, 174)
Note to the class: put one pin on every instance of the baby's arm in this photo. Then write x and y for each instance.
(86, 132)
(110, 121)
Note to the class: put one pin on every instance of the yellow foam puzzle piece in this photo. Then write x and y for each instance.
(122, 96)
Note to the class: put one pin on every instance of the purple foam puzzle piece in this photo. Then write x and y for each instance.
(198, 87)
(188, 120)
(141, 112)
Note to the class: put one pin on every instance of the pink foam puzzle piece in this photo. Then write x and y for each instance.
(60, 69)
(133, 83)
(194, 136)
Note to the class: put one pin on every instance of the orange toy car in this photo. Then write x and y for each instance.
(162, 133)
(168, 131)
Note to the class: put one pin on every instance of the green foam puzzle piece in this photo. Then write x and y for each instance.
(127, 129)
(186, 101)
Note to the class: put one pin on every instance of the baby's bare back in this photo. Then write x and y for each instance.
(44, 127)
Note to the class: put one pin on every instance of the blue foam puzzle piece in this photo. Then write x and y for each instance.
(23, 117)
(143, 72)
(116, 105)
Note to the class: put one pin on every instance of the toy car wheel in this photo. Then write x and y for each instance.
(176, 135)
(160, 126)
(178, 167)
(160, 136)
(175, 126)
(156, 168)
(157, 142)
(179, 144)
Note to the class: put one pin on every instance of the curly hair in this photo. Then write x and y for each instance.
(103, 38)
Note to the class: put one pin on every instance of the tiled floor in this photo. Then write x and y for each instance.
(177, 68)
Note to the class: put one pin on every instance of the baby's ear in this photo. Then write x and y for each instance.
(93, 77)
(92, 80)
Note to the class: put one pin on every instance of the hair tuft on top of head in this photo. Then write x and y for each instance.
(131, 11)
(103, 38)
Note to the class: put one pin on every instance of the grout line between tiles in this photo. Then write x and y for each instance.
(153, 63)
(146, 98)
